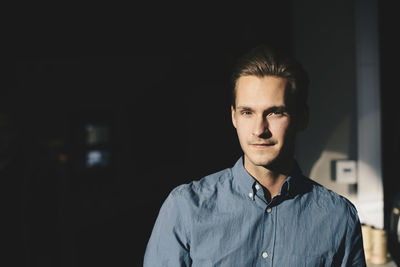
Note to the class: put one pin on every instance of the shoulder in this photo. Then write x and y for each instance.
(204, 188)
(332, 201)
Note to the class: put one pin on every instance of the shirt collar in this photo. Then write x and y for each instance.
(247, 183)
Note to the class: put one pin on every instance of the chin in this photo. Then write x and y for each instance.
(261, 160)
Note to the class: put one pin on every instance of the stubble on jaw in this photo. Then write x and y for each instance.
(282, 163)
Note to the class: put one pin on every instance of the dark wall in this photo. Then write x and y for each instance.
(390, 56)
(159, 82)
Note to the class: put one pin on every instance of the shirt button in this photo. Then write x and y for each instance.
(269, 210)
(257, 186)
(251, 195)
(265, 255)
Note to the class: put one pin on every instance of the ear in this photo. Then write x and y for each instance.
(233, 111)
(302, 120)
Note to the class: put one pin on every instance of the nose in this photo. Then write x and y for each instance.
(260, 126)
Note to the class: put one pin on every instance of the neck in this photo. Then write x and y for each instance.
(271, 178)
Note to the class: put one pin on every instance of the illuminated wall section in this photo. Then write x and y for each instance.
(370, 186)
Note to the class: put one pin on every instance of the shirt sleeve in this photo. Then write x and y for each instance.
(169, 243)
(354, 251)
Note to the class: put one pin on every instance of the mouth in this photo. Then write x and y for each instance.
(262, 145)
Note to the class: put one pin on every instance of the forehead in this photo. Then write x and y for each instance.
(253, 91)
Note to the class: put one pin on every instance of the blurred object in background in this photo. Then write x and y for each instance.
(97, 141)
(375, 245)
(379, 247)
(394, 230)
(367, 240)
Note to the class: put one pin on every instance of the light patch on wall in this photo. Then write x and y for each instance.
(321, 173)
(336, 148)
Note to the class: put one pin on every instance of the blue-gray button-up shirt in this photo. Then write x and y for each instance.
(224, 220)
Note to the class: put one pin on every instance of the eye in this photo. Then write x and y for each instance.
(277, 113)
(245, 112)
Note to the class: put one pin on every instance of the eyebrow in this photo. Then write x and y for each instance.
(244, 108)
(273, 108)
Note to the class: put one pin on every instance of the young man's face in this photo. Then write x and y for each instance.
(262, 121)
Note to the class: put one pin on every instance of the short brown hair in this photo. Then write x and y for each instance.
(265, 60)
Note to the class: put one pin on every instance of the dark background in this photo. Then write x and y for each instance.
(158, 78)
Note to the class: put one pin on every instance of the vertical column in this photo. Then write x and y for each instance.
(370, 184)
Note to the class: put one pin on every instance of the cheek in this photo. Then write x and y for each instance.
(280, 129)
(242, 128)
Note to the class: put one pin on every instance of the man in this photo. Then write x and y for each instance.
(262, 211)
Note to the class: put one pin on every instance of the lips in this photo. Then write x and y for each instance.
(263, 144)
